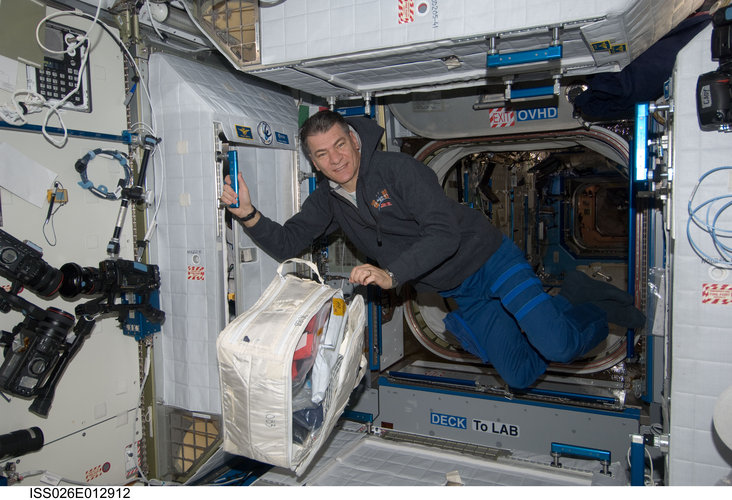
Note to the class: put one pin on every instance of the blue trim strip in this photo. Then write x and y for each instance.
(650, 348)
(546, 91)
(233, 157)
(537, 392)
(629, 337)
(571, 395)
(356, 111)
(640, 165)
(581, 451)
(358, 416)
(530, 305)
(629, 413)
(432, 378)
(637, 464)
(372, 365)
(507, 274)
(125, 138)
(520, 288)
(525, 56)
(379, 329)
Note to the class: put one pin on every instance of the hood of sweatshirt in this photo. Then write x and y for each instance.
(369, 133)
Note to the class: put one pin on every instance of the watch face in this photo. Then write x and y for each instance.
(394, 281)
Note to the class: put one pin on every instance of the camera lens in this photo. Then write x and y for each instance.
(55, 325)
(22, 263)
(77, 280)
(15, 444)
(42, 278)
(37, 366)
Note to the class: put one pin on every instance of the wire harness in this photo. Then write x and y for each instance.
(707, 216)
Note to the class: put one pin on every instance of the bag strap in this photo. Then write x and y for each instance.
(295, 260)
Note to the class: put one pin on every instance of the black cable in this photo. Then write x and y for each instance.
(51, 212)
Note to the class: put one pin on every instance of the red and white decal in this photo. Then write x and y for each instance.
(715, 293)
(196, 273)
(406, 11)
(502, 117)
(97, 471)
(423, 8)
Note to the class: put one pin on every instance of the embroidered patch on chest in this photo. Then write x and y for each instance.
(382, 200)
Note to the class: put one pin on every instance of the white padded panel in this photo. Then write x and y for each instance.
(701, 365)
(188, 98)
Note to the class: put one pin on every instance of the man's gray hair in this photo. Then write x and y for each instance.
(319, 123)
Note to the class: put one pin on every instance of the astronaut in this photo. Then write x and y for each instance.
(393, 209)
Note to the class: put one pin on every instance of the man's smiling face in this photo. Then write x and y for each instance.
(336, 154)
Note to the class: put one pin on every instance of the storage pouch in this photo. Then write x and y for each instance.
(287, 368)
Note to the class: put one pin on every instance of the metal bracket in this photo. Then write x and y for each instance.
(526, 94)
(496, 60)
(524, 57)
(560, 449)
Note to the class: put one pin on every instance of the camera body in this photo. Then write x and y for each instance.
(39, 343)
(23, 262)
(714, 89)
(37, 351)
(115, 276)
(34, 351)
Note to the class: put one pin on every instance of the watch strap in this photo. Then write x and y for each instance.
(249, 216)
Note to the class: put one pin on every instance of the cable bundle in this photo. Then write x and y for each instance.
(710, 223)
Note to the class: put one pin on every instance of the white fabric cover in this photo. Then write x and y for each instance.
(255, 353)
(189, 98)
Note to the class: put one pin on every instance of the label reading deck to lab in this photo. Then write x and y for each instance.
(449, 420)
(525, 115)
(492, 427)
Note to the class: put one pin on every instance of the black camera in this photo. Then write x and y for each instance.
(33, 351)
(112, 276)
(37, 351)
(22, 262)
(714, 89)
(17, 443)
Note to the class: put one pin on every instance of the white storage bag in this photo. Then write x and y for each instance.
(299, 340)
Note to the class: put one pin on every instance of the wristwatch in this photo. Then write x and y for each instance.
(394, 280)
(250, 216)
